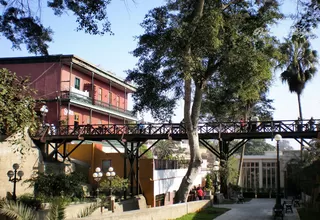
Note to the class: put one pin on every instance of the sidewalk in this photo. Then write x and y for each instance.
(256, 209)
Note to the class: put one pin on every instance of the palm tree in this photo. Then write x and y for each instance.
(16, 210)
(299, 63)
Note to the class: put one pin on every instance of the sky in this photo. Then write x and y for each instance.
(112, 52)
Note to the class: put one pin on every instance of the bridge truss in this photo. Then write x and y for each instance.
(132, 137)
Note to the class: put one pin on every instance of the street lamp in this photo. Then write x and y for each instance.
(13, 178)
(97, 177)
(110, 175)
(278, 205)
(44, 110)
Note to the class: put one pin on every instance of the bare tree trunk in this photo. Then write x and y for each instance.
(243, 149)
(300, 108)
(300, 115)
(191, 125)
(240, 164)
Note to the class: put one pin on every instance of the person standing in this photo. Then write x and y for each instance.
(311, 124)
(242, 125)
(200, 193)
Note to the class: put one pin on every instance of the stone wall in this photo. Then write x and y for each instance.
(159, 213)
(28, 161)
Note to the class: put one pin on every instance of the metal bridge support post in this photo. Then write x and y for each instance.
(131, 160)
(46, 153)
(137, 169)
(125, 166)
(64, 151)
(56, 151)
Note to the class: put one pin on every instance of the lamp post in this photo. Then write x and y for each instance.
(97, 177)
(278, 205)
(110, 175)
(13, 178)
(44, 110)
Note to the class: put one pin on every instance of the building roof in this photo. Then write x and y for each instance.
(67, 59)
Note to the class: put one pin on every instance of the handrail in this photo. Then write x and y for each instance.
(88, 100)
(179, 128)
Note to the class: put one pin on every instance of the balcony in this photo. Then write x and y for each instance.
(84, 99)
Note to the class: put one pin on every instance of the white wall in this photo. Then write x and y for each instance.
(169, 180)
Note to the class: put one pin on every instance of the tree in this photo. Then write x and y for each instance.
(310, 16)
(299, 63)
(256, 147)
(184, 45)
(148, 154)
(21, 24)
(285, 145)
(166, 150)
(16, 103)
(118, 184)
(230, 96)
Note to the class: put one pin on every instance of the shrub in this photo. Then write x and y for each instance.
(30, 201)
(56, 185)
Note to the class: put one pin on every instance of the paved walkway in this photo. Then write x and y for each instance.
(256, 209)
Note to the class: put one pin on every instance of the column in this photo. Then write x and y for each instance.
(260, 175)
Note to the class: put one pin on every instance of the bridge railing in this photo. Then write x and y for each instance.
(179, 128)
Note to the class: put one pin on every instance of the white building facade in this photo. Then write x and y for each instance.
(259, 171)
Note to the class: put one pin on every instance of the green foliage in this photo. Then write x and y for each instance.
(16, 103)
(118, 184)
(168, 150)
(30, 201)
(310, 16)
(88, 210)
(143, 149)
(21, 24)
(298, 61)
(256, 147)
(16, 210)
(57, 209)
(57, 184)
(209, 182)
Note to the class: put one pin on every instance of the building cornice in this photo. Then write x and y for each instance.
(70, 59)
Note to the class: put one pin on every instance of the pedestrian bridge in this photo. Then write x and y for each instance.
(132, 136)
(176, 131)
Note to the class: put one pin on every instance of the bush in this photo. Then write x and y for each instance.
(30, 201)
(56, 185)
(118, 184)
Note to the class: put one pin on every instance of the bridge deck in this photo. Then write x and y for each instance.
(176, 131)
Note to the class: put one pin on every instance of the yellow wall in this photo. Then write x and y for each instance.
(146, 180)
(83, 152)
(93, 155)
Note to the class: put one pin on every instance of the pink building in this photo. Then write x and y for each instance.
(75, 91)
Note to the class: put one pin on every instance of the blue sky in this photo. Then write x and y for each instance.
(113, 52)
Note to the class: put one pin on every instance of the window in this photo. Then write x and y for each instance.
(105, 165)
(100, 94)
(77, 83)
(118, 101)
(76, 120)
